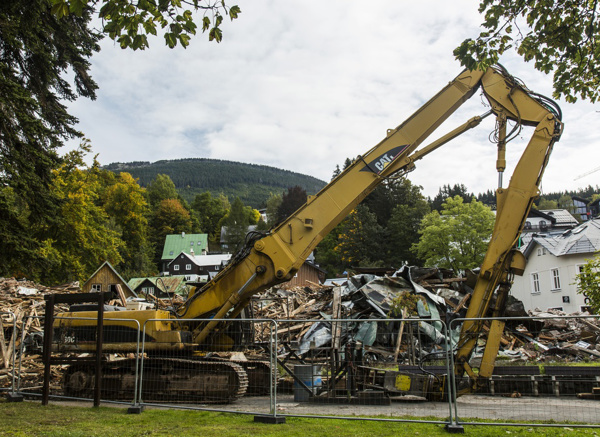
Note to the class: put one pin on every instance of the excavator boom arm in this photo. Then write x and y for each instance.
(275, 258)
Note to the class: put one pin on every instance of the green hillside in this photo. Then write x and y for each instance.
(251, 183)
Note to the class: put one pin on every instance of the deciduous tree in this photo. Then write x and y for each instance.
(457, 237)
(125, 202)
(161, 188)
(210, 210)
(81, 239)
(588, 282)
(130, 22)
(273, 203)
(560, 37)
(236, 223)
(169, 217)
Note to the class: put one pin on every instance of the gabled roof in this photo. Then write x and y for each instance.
(175, 284)
(106, 263)
(177, 243)
(583, 239)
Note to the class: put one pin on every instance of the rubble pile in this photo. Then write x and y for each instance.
(21, 305)
(439, 296)
(555, 338)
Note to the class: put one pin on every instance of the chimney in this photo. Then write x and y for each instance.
(183, 235)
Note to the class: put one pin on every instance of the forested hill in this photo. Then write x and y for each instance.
(251, 183)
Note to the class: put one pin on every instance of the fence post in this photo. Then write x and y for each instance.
(136, 407)
(453, 426)
(272, 418)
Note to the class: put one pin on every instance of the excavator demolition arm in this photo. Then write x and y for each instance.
(274, 257)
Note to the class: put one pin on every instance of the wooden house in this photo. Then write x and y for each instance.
(177, 243)
(307, 274)
(106, 278)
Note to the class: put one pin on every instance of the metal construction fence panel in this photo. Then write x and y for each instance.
(341, 368)
(227, 372)
(544, 372)
(373, 368)
(72, 369)
(8, 340)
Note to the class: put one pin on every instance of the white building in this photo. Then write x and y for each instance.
(553, 261)
(201, 268)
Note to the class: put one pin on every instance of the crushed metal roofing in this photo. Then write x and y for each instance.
(583, 239)
(177, 243)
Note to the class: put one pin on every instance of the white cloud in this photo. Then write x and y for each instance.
(301, 85)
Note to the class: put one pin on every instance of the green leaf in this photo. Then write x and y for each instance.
(184, 40)
(60, 9)
(215, 34)
(205, 24)
(234, 11)
(171, 40)
(76, 7)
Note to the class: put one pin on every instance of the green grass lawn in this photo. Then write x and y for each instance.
(33, 419)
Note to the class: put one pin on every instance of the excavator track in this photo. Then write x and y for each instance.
(259, 376)
(181, 380)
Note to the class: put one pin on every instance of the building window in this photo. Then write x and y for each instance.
(217, 268)
(97, 288)
(535, 283)
(579, 271)
(176, 267)
(539, 252)
(191, 243)
(199, 243)
(171, 252)
(528, 225)
(188, 267)
(555, 279)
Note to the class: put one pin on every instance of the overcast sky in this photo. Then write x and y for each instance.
(302, 85)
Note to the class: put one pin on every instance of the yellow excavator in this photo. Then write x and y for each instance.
(271, 258)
